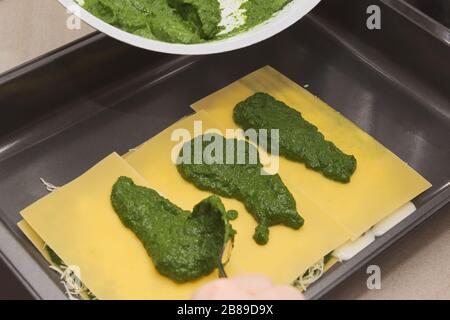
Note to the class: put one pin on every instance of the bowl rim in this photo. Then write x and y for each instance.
(293, 12)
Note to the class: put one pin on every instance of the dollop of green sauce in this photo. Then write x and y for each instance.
(184, 246)
(178, 21)
(264, 196)
(299, 140)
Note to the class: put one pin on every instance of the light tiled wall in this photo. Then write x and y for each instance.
(29, 28)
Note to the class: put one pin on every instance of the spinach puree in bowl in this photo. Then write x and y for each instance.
(184, 21)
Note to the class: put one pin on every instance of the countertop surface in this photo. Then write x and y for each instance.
(417, 267)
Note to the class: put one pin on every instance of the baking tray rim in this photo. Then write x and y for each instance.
(419, 18)
(327, 283)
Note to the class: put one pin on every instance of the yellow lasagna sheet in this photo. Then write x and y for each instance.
(35, 239)
(39, 244)
(288, 254)
(78, 222)
(382, 182)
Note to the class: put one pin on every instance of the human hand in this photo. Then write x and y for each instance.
(252, 287)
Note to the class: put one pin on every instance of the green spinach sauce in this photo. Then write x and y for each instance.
(258, 11)
(300, 140)
(184, 246)
(178, 21)
(264, 196)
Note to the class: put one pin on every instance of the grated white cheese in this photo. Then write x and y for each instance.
(313, 274)
(69, 276)
(49, 186)
(232, 15)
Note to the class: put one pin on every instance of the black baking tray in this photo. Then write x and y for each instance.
(67, 110)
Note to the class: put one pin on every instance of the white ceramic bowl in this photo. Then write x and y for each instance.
(293, 12)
